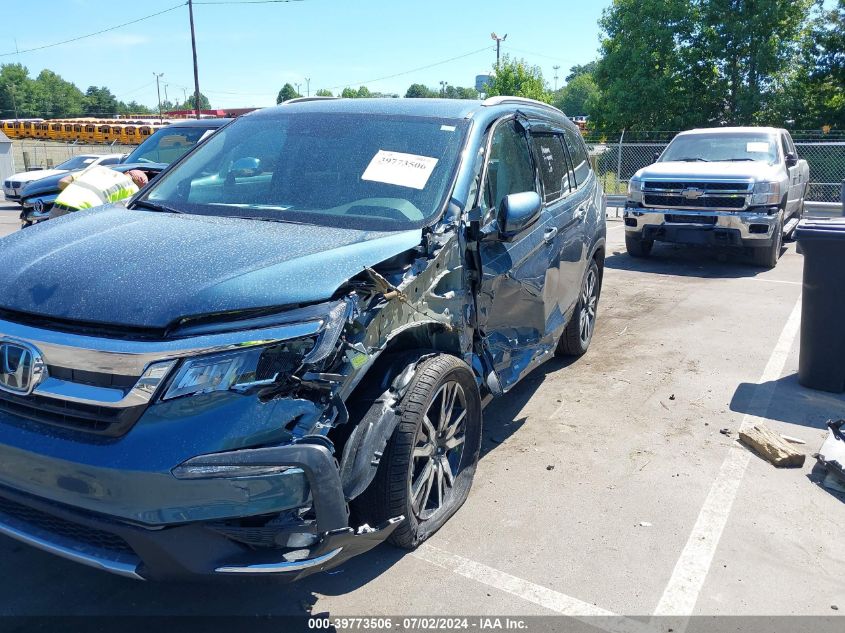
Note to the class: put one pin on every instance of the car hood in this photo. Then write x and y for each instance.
(147, 269)
(30, 176)
(740, 170)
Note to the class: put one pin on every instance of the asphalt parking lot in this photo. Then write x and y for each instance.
(605, 486)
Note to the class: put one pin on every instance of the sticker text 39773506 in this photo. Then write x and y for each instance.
(397, 168)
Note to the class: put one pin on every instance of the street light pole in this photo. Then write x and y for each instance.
(297, 88)
(443, 88)
(158, 93)
(557, 68)
(499, 41)
(308, 86)
(194, 51)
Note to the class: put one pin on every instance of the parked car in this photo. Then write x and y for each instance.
(736, 187)
(302, 316)
(160, 149)
(13, 185)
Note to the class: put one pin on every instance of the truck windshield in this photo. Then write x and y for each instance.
(364, 171)
(167, 145)
(722, 146)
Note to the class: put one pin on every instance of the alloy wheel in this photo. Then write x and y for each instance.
(589, 300)
(438, 450)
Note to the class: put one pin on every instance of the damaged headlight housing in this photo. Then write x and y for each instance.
(239, 370)
(635, 190)
(767, 193)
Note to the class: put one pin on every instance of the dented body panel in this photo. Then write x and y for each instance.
(249, 472)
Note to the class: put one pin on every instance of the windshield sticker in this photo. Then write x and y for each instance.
(447, 128)
(757, 146)
(87, 161)
(396, 168)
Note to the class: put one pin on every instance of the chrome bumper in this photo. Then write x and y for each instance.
(741, 221)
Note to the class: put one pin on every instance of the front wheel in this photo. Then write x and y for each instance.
(428, 465)
(638, 247)
(768, 257)
(576, 338)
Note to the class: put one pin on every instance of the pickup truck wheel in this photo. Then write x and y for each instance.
(576, 338)
(768, 257)
(638, 247)
(428, 465)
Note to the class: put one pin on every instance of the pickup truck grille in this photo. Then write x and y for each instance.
(676, 218)
(677, 201)
(106, 421)
(728, 196)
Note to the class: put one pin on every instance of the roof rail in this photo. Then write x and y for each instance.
(304, 99)
(501, 100)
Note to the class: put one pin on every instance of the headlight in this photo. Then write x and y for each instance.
(635, 190)
(766, 193)
(239, 370)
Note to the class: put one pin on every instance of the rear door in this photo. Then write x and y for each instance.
(513, 292)
(558, 180)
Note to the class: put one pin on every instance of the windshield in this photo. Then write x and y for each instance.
(363, 171)
(168, 145)
(77, 162)
(722, 147)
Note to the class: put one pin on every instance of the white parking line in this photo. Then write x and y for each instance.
(529, 591)
(681, 594)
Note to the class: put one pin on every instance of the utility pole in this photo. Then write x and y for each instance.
(297, 88)
(499, 41)
(194, 51)
(184, 96)
(166, 100)
(158, 92)
(557, 68)
(308, 86)
(443, 88)
(14, 101)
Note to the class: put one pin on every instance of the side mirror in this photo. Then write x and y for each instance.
(517, 212)
(791, 159)
(245, 167)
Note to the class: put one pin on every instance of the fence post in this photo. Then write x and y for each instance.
(619, 159)
(842, 196)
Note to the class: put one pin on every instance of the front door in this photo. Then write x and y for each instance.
(512, 302)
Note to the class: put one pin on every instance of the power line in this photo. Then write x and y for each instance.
(248, 1)
(521, 50)
(106, 30)
(413, 70)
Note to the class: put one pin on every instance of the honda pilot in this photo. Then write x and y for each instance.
(278, 354)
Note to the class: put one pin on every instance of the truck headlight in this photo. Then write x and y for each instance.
(766, 193)
(635, 190)
(239, 370)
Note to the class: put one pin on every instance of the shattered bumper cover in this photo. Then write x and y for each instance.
(191, 549)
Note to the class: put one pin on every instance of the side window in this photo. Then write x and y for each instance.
(579, 156)
(550, 158)
(788, 147)
(509, 168)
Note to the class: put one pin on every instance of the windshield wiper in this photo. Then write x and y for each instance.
(146, 204)
(692, 160)
(266, 219)
(730, 160)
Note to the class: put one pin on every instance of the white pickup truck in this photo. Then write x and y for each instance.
(742, 187)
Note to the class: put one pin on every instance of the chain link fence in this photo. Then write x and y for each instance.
(616, 160)
(32, 154)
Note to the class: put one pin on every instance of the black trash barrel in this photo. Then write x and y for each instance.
(821, 364)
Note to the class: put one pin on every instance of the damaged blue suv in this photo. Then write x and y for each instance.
(278, 355)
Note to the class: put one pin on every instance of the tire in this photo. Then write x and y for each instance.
(576, 338)
(768, 257)
(412, 478)
(638, 247)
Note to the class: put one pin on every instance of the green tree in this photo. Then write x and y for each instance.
(579, 96)
(287, 93)
(581, 69)
(99, 101)
(419, 91)
(322, 92)
(457, 92)
(514, 77)
(55, 97)
(205, 104)
(16, 92)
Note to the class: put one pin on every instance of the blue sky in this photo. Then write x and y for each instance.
(246, 53)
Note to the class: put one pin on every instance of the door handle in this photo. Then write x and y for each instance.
(550, 234)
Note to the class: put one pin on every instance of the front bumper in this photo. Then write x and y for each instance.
(753, 228)
(11, 193)
(202, 548)
(37, 208)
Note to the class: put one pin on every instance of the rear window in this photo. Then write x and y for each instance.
(578, 153)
